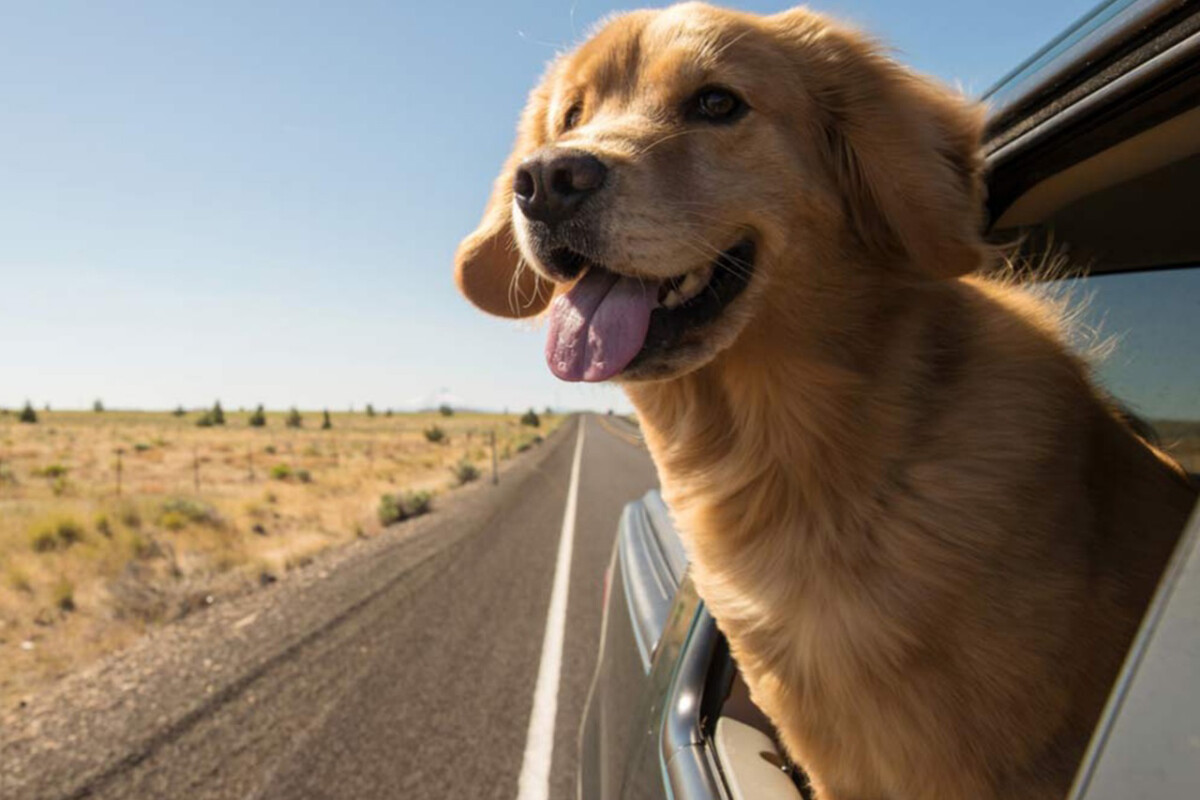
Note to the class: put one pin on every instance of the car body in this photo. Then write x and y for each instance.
(1093, 145)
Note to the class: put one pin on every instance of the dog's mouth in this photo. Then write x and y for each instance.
(609, 322)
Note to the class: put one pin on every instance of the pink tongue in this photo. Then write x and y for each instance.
(599, 326)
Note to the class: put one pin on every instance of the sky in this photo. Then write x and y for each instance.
(259, 202)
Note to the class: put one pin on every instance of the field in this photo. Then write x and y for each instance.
(112, 522)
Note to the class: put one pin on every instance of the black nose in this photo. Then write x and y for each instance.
(551, 185)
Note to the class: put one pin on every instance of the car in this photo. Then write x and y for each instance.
(1093, 149)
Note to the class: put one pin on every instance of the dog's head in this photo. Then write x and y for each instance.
(688, 171)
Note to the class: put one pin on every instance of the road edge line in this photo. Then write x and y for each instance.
(534, 781)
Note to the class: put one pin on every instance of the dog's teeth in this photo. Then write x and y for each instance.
(672, 299)
(694, 282)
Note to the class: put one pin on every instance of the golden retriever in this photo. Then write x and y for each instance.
(928, 538)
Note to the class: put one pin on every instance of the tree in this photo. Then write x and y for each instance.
(258, 417)
(293, 419)
(28, 414)
(98, 406)
(179, 412)
(326, 422)
(530, 418)
(370, 410)
(217, 414)
(445, 410)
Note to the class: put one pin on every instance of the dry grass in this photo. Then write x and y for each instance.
(91, 556)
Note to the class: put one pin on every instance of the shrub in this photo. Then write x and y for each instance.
(129, 515)
(293, 419)
(187, 510)
(52, 471)
(19, 579)
(435, 434)
(387, 413)
(27, 415)
(258, 418)
(281, 472)
(446, 410)
(326, 422)
(370, 410)
(218, 415)
(395, 508)
(389, 510)
(530, 418)
(142, 447)
(205, 420)
(464, 472)
(304, 476)
(270, 449)
(64, 594)
(416, 503)
(173, 521)
(103, 525)
(98, 407)
(55, 534)
(179, 412)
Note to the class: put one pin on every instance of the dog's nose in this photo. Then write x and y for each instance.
(551, 185)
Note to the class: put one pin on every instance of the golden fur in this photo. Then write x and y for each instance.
(927, 537)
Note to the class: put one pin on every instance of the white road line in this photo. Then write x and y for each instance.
(534, 783)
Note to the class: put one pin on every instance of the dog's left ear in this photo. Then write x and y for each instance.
(487, 266)
(905, 150)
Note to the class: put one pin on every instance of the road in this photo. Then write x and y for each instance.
(408, 674)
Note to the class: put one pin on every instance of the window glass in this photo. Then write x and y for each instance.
(1148, 326)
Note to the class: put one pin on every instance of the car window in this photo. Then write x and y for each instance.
(1141, 331)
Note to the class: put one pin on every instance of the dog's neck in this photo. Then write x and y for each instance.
(803, 422)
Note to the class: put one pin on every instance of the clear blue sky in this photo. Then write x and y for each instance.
(259, 201)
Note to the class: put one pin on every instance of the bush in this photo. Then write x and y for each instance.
(102, 525)
(370, 410)
(129, 515)
(179, 412)
(258, 419)
(205, 420)
(445, 410)
(395, 508)
(217, 414)
(464, 472)
(173, 521)
(304, 476)
(188, 510)
(98, 407)
(281, 472)
(435, 434)
(27, 415)
(52, 471)
(530, 418)
(142, 447)
(56, 534)
(293, 419)
(387, 413)
(64, 594)
(326, 422)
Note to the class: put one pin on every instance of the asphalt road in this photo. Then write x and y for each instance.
(409, 674)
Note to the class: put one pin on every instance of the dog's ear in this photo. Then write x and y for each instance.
(487, 266)
(906, 151)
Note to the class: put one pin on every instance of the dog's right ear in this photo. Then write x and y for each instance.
(488, 266)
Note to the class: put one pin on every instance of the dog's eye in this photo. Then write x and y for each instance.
(572, 117)
(716, 104)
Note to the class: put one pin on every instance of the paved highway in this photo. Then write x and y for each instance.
(408, 672)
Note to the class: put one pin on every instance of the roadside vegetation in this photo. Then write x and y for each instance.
(112, 522)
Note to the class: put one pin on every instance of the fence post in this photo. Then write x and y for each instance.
(495, 470)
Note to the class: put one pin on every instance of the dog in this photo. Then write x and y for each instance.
(927, 536)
